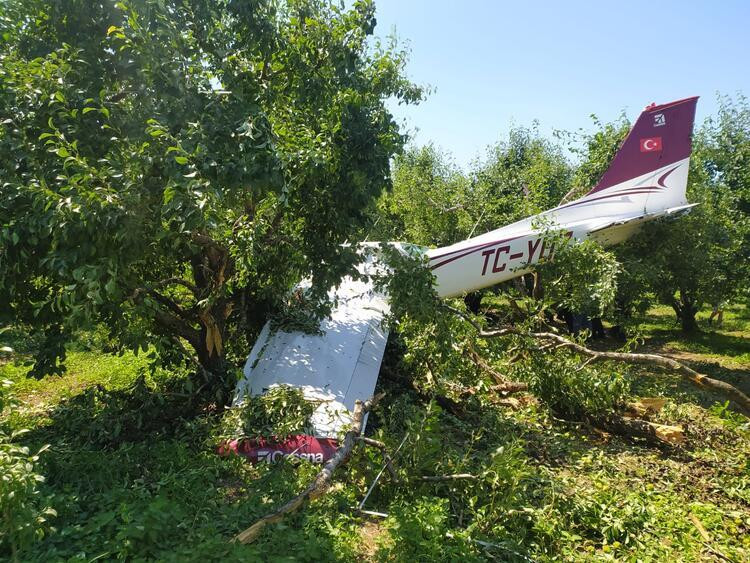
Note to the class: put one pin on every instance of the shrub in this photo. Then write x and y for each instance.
(23, 517)
(573, 391)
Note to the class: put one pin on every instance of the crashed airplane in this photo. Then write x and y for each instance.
(647, 179)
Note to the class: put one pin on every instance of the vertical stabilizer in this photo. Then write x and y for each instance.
(660, 138)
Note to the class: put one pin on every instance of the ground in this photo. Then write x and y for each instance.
(145, 483)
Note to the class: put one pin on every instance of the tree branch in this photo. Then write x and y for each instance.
(502, 384)
(384, 451)
(178, 281)
(689, 374)
(177, 326)
(454, 477)
(322, 480)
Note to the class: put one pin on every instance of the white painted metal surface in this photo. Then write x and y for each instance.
(334, 368)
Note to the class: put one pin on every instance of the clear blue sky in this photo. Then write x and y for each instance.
(497, 63)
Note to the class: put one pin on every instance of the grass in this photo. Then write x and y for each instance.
(547, 489)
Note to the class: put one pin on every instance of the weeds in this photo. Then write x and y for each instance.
(132, 474)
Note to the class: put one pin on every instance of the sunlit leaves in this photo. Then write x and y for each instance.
(132, 130)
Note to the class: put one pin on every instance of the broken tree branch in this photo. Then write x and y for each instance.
(502, 384)
(689, 374)
(742, 400)
(323, 478)
(655, 434)
(454, 477)
(384, 451)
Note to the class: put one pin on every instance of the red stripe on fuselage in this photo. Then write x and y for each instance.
(469, 250)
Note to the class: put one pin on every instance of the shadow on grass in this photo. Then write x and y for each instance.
(103, 418)
(702, 342)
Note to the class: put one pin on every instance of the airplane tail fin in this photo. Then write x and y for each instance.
(653, 160)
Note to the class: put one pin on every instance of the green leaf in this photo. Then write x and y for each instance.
(181, 159)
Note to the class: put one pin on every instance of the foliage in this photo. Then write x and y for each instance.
(433, 203)
(103, 417)
(279, 413)
(418, 532)
(596, 151)
(519, 177)
(580, 277)
(407, 281)
(23, 516)
(225, 149)
(726, 147)
(696, 259)
(427, 204)
(572, 391)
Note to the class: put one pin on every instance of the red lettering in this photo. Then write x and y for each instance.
(495, 269)
(486, 255)
(532, 249)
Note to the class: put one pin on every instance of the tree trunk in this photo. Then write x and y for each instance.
(214, 363)
(685, 311)
(688, 310)
(688, 321)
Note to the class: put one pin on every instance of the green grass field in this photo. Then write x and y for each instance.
(145, 483)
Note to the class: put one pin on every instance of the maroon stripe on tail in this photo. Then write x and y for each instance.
(671, 124)
(633, 191)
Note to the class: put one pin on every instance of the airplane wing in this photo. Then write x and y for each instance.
(334, 368)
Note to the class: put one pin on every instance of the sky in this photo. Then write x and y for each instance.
(496, 64)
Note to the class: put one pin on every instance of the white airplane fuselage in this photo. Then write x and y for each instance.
(609, 217)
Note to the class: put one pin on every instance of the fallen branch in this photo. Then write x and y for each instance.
(502, 384)
(384, 451)
(454, 477)
(698, 379)
(322, 479)
(742, 400)
(655, 434)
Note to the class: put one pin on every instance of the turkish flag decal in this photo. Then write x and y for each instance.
(652, 144)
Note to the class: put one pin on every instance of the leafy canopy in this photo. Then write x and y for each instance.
(172, 168)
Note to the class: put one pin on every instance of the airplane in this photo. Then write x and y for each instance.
(646, 180)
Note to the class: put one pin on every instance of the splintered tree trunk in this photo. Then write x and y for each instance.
(214, 363)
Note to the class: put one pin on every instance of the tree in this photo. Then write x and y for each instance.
(696, 259)
(172, 168)
(428, 203)
(702, 257)
(434, 203)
